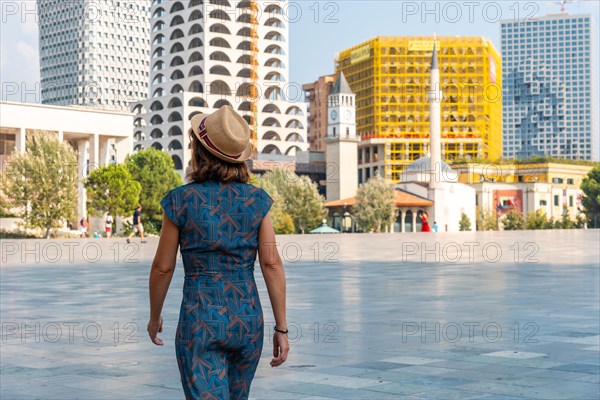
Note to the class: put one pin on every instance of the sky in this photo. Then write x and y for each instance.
(318, 31)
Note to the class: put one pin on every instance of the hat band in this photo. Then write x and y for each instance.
(203, 135)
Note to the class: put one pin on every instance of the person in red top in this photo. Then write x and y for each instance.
(424, 223)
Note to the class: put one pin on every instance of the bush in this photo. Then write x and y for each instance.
(465, 223)
(513, 221)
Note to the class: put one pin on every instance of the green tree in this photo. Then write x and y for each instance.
(42, 182)
(374, 208)
(513, 221)
(565, 220)
(295, 197)
(155, 171)
(536, 219)
(465, 223)
(591, 196)
(112, 188)
(487, 221)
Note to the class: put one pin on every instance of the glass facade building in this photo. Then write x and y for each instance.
(548, 97)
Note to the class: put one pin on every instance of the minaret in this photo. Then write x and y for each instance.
(341, 152)
(434, 96)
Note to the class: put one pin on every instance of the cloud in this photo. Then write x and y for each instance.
(28, 53)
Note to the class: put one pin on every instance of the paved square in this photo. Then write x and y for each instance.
(498, 315)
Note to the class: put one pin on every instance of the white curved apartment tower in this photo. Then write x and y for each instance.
(201, 60)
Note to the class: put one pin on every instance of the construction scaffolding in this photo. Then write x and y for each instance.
(390, 77)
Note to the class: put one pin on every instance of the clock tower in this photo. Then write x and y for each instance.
(342, 143)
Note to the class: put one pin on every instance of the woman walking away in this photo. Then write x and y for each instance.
(219, 222)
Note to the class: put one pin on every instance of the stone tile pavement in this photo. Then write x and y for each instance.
(500, 315)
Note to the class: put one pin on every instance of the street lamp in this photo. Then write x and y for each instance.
(347, 222)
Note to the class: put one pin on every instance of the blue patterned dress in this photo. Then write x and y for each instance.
(220, 332)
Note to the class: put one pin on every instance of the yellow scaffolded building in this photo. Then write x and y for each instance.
(390, 77)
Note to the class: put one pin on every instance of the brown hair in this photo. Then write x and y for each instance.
(207, 167)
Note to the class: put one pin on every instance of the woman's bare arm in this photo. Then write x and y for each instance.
(161, 274)
(272, 269)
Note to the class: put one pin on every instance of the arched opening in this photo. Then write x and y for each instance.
(408, 224)
(294, 124)
(271, 122)
(177, 20)
(156, 106)
(245, 59)
(175, 131)
(177, 61)
(174, 117)
(174, 145)
(196, 70)
(274, 63)
(195, 29)
(219, 70)
(156, 120)
(176, 48)
(160, 38)
(176, 7)
(244, 73)
(158, 66)
(176, 89)
(219, 56)
(177, 34)
(294, 110)
(197, 102)
(220, 42)
(292, 150)
(157, 146)
(195, 43)
(245, 106)
(271, 108)
(196, 14)
(221, 103)
(156, 134)
(294, 137)
(219, 14)
(138, 148)
(138, 136)
(177, 74)
(196, 87)
(175, 102)
(271, 149)
(271, 135)
(196, 56)
(177, 162)
(219, 28)
(220, 88)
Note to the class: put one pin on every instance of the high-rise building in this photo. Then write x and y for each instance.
(548, 87)
(94, 53)
(206, 54)
(390, 77)
(316, 95)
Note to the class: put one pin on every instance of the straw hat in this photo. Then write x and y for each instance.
(224, 133)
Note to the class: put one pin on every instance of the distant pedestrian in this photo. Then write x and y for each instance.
(108, 221)
(83, 227)
(137, 224)
(435, 226)
(424, 223)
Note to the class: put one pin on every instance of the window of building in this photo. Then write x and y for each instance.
(556, 200)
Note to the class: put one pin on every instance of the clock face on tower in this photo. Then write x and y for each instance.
(348, 115)
(333, 115)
